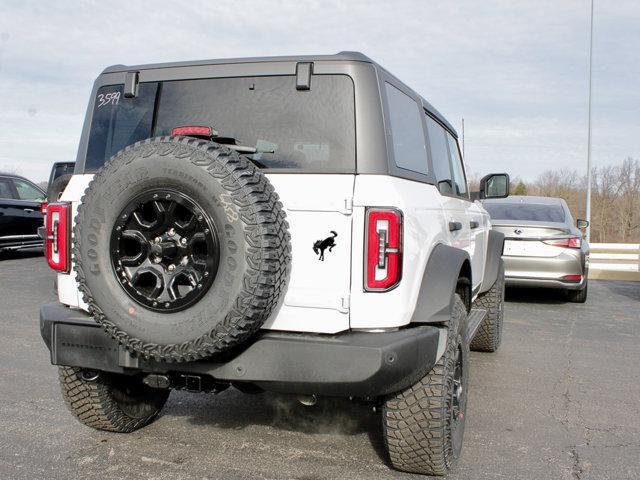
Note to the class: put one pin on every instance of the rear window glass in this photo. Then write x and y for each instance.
(312, 130)
(118, 122)
(526, 212)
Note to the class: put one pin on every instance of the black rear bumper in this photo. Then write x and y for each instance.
(358, 364)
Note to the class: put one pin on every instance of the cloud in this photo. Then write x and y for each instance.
(515, 70)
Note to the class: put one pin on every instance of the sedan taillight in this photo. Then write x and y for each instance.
(571, 242)
(58, 236)
(383, 249)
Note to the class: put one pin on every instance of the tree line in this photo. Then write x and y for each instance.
(615, 197)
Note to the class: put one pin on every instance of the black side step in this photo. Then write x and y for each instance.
(476, 315)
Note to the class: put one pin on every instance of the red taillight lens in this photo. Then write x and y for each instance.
(383, 249)
(571, 242)
(58, 238)
(193, 131)
(572, 278)
(43, 208)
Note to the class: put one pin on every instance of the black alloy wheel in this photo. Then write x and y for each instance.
(164, 250)
(458, 403)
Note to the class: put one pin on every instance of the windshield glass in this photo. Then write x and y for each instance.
(312, 130)
(525, 212)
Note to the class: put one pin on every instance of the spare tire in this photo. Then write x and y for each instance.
(181, 248)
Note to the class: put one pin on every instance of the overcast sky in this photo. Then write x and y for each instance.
(516, 71)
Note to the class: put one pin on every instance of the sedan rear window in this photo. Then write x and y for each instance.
(311, 131)
(525, 212)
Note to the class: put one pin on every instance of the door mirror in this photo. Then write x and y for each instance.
(582, 223)
(494, 185)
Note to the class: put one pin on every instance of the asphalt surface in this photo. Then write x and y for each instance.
(559, 400)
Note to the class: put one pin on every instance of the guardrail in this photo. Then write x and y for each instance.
(614, 261)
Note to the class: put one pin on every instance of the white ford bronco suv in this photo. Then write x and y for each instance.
(290, 224)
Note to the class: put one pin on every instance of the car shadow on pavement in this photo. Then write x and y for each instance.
(630, 290)
(234, 410)
(535, 295)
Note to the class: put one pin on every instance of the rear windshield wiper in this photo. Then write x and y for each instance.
(246, 149)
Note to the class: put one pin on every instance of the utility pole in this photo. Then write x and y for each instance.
(588, 206)
(463, 157)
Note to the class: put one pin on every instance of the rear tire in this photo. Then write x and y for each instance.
(578, 296)
(489, 333)
(424, 424)
(115, 403)
(57, 188)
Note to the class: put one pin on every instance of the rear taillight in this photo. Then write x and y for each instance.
(193, 131)
(43, 208)
(58, 236)
(571, 242)
(383, 249)
(572, 278)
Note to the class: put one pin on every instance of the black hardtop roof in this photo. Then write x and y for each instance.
(341, 56)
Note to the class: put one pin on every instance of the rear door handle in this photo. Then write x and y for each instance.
(453, 226)
(474, 224)
(29, 210)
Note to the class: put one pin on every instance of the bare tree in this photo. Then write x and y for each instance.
(615, 198)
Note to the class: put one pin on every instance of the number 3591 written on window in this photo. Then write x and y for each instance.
(108, 99)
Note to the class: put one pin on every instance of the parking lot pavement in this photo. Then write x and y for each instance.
(560, 400)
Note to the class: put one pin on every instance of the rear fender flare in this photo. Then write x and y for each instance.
(439, 282)
(495, 247)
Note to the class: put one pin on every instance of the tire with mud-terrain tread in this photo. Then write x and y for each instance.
(181, 248)
(578, 296)
(57, 187)
(489, 333)
(424, 424)
(104, 401)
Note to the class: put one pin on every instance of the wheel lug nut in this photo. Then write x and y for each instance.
(171, 232)
(171, 267)
(157, 240)
(183, 241)
(156, 259)
(166, 305)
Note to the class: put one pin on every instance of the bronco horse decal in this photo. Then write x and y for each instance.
(321, 245)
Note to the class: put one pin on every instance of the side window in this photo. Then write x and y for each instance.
(407, 134)
(440, 156)
(26, 191)
(456, 166)
(5, 188)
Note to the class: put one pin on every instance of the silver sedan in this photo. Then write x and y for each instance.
(543, 247)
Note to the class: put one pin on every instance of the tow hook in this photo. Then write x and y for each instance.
(308, 400)
(90, 375)
(156, 381)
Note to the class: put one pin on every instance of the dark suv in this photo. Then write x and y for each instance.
(20, 214)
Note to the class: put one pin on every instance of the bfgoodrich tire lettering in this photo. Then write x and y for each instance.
(254, 247)
(423, 426)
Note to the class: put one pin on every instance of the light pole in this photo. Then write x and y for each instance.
(588, 207)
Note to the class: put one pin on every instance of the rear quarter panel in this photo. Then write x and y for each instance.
(423, 228)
